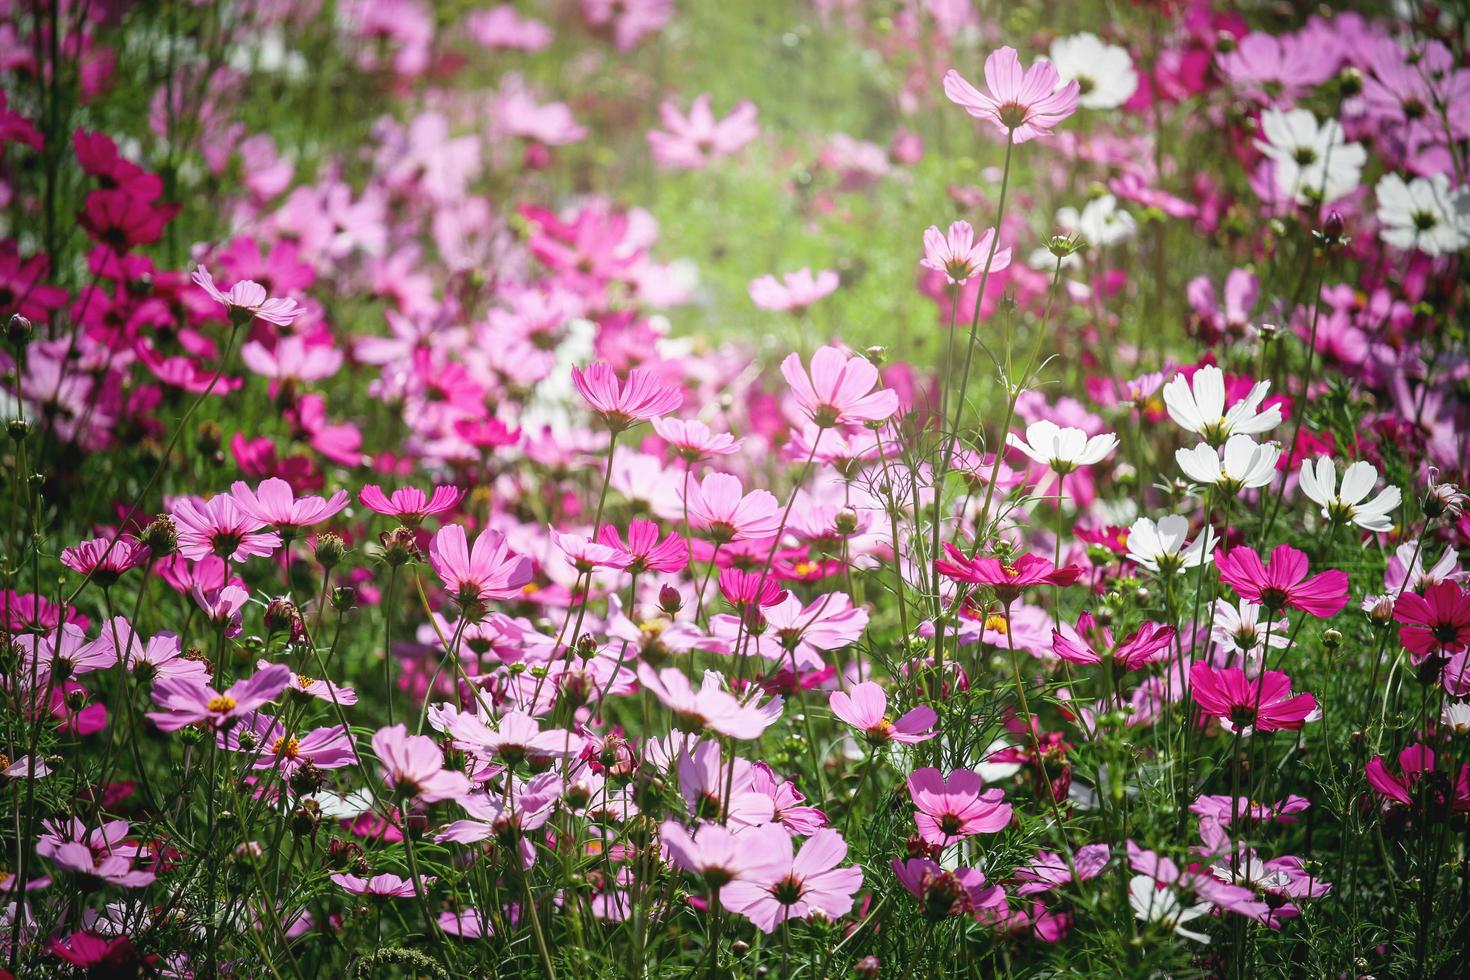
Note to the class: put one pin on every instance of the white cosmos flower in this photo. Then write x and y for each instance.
(1237, 628)
(1455, 715)
(1350, 503)
(1423, 213)
(1164, 906)
(1062, 449)
(1100, 222)
(1160, 547)
(1103, 72)
(1312, 160)
(1240, 464)
(1197, 404)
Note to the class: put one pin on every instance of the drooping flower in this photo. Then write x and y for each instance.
(794, 887)
(1262, 704)
(275, 503)
(866, 709)
(219, 526)
(959, 254)
(955, 807)
(382, 885)
(486, 572)
(623, 404)
(1283, 582)
(1022, 104)
(1062, 449)
(1350, 503)
(839, 390)
(248, 300)
(410, 505)
(188, 701)
(1143, 646)
(1415, 762)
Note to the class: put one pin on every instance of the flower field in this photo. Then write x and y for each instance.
(668, 488)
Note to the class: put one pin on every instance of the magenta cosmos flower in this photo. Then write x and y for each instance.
(782, 887)
(219, 526)
(188, 701)
(1283, 582)
(1051, 871)
(105, 560)
(839, 390)
(743, 589)
(1436, 623)
(1024, 104)
(414, 766)
(866, 709)
(644, 551)
(1143, 646)
(383, 885)
(488, 571)
(623, 404)
(793, 291)
(409, 505)
(274, 502)
(1415, 762)
(1008, 581)
(1263, 704)
(271, 746)
(942, 893)
(247, 300)
(959, 254)
(957, 807)
(719, 507)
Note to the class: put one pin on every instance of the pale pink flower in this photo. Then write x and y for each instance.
(219, 526)
(782, 887)
(413, 764)
(792, 291)
(719, 509)
(959, 255)
(517, 736)
(693, 440)
(957, 807)
(187, 701)
(489, 571)
(383, 885)
(866, 709)
(711, 708)
(839, 390)
(247, 300)
(698, 139)
(273, 502)
(292, 359)
(1024, 104)
(622, 404)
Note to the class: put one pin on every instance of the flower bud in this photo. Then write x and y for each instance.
(306, 818)
(399, 547)
(18, 429)
(1225, 42)
(18, 330)
(1444, 500)
(1332, 229)
(670, 600)
(1331, 640)
(866, 968)
(344, 598)
(847, 520)
(876, 355)
(1379, 609)
(330, 550)
(209, 438)
(1349, 82)
(280, 615)
(161, 536)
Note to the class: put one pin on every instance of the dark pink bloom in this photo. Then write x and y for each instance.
(266, 740)
(866, 709)
(105, 560)
(957, 807)
(622, 404)
(188, 701)
(1437, 623)
(1263, 704)
(942, 893)
(489, 571)
(1415, 763)
(273, 502)
(409, 504)
(1283, 583)
(782, 887)
(747, 589)
(1023, 104)
(100, 956)
(839, 390)
(644, 550)
(1008, 581)
(1144, 645)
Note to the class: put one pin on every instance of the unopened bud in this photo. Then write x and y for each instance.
(344, 597)
(399, 547)
(18, 330)
(1349, 81)
(161, 536)
(847, 520)
(876, 354)
(670, 600)
(330, 549)
(1331, 640)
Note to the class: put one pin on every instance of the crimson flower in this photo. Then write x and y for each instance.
(122, 222)
(1438, 622)
(1283, 582)
(741, 588)
(1143, 646)
(1262, 704)
(644, 550)
(1007, 580)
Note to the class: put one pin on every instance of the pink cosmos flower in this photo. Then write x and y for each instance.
(409, 505)
(1436, 623)
(292, 359)
(222, 606)
(413, 765)
(746, 590)
(719, 509)
(517, 736)
(508, 815)
(1145, 645)
(1263, 704)
(866, 709)
(315, 687)
(266, 740)
(187, 701)
(1415, 762)
(693, 440)
(1051, 871)
(62, 654)
(695, 141)
(1283, 583)
(585, 555)
(703, 777)
(717, 854)
(942, 893)
(839, 390)
(99, 854)
(1008, 581)
(959, 255)
(623, 404)
(1023, 105)
(1223, 811)
(219, 526)
(711, 708)
(953, 808)
(247, 300)
(489, 571)
(274, 502)
(799, 634)
(644, 551)
(383, 885)
(160, 656)
(782, 887)
(105, 560)
(793, 291)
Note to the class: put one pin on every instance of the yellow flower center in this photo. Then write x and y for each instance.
(221, 704)
(286, 747)
(303, 682)
(997, 622)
